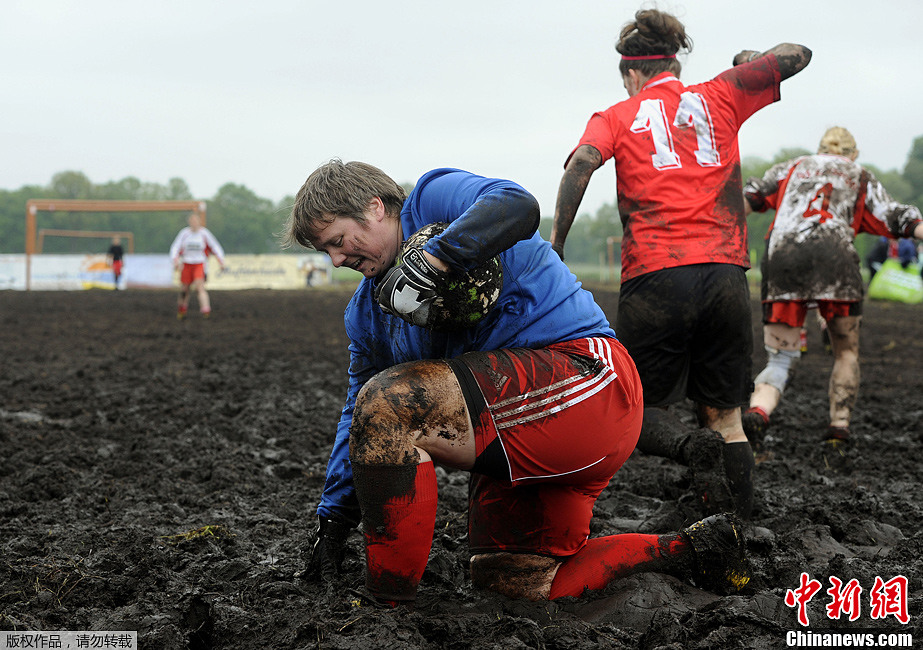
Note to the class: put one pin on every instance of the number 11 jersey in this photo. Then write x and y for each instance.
(677, 166)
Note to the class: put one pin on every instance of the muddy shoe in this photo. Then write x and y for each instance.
(361, 596)
(835, 443)
(704, 454)
(837, 435)
(755, 422)
(720, 553)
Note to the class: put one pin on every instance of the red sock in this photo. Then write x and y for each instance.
(398, 519)
(605, 559)
(760, 412)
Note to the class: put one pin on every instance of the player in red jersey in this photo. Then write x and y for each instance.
(821, 201)
(684, 303)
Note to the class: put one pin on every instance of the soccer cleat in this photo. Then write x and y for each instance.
(836, 435)
(704, 454)
(362, 597)
(835, 442)
(755, 422)
(720, 553)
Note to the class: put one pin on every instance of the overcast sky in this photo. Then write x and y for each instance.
(261, 93)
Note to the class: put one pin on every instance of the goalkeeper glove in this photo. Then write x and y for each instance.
(409, 289)
(329, 548)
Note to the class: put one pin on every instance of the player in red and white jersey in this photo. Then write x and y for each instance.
(189, 253)
(684, 307)
(822, 202)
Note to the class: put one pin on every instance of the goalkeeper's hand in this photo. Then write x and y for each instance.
(409, 289)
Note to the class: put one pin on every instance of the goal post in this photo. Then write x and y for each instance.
(129, 237)
(34, 206)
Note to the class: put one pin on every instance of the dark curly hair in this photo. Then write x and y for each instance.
(652, 32)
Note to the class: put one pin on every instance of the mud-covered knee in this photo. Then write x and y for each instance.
(778, 368)
(514, 575)
(379, 431)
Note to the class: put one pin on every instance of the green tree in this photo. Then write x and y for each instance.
(242, 221)
(71, 185)
(913, 171)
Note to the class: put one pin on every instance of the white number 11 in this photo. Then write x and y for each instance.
(692, 111)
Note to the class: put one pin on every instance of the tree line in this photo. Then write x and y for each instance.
(242, 221)
(246, 223)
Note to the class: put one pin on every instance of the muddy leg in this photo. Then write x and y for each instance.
(404, 418)
(844, 379)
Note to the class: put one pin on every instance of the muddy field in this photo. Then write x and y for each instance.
(161, 476)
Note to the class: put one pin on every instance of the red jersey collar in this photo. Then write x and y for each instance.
(662, 78)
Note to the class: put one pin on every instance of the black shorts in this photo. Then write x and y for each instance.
(689, 330)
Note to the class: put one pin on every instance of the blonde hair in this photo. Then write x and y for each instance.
(838, 140)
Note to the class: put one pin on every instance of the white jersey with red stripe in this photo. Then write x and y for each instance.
(822, 201)
(194, 246)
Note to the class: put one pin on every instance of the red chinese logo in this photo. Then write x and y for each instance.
(890, 598)
(801, 596)
(886, 598)
(844, 599)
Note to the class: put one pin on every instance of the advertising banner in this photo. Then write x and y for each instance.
(143, 271)
(259, 272)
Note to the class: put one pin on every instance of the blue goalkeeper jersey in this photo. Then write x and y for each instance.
(541, 301)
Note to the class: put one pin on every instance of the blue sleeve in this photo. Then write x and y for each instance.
(339, 496)
(486, 216)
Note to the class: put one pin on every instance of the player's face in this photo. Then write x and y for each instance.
(369, 247)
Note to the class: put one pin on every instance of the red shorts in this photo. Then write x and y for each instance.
(117, 267)
(552, 426)
(191, 273)
(793, 312)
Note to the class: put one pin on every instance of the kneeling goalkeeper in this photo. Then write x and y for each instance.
(538, 400)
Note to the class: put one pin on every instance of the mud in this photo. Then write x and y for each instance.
(161, 476)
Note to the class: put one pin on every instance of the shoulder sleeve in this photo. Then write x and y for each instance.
(764, 193)
(486, 216)
(600, 134)
(880, 214)
(213, 244)
(753, 85)
(177, 245)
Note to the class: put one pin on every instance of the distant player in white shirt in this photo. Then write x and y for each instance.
(189, 252)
